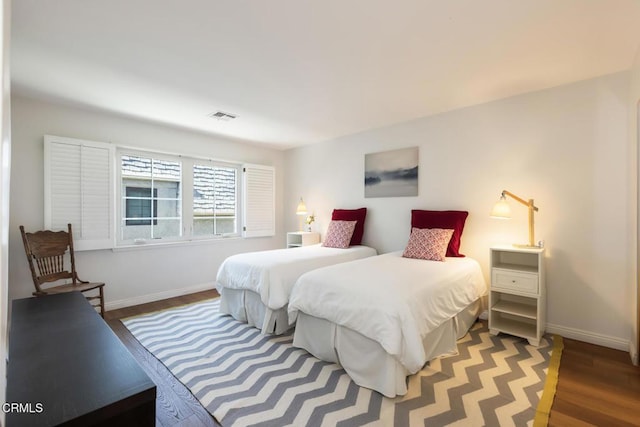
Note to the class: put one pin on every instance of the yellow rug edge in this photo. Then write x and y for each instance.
(549, 392)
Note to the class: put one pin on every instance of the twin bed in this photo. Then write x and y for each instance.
(255, 286)
(380, 317)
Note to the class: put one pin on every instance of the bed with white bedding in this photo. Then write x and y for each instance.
(382, 318)
(255, 286)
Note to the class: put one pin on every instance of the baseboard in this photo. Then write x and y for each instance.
(590, 337)
(143, 299)
(633, 351)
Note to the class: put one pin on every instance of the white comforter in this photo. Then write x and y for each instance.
(393, 300)
(272, 274)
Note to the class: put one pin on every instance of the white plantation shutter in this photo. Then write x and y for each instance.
(64, 188)
(79, 182)
(259, 201)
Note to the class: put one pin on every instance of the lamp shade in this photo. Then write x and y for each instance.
(501, 209)
(302, 208)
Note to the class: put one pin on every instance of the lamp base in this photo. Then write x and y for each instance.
(525, 246)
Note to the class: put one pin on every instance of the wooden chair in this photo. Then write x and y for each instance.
(46, 254)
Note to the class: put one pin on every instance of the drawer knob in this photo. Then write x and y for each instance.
(513, 281)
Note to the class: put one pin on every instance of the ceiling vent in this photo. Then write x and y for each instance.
(221, 115)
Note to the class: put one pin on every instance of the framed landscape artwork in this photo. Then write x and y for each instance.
(391, 173)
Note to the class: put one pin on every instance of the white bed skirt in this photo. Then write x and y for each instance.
(366, 362)
(246, 306)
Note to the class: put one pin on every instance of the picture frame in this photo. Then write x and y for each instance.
(391, 173)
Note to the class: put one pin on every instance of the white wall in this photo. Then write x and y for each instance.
(5, 168)
(634, 143)
(566, 147)
(141, 274)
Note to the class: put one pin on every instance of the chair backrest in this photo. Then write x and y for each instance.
(46, 255)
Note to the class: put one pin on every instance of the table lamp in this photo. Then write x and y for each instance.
(501, 210)
(301, 210)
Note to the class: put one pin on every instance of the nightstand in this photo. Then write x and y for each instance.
(517, 299)
(295, 239)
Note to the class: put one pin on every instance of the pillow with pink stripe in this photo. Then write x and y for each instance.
(339, 234)
(428, 243)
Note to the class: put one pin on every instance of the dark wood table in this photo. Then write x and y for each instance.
(63, 356)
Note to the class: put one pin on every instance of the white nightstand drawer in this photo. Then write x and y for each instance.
(511, 280)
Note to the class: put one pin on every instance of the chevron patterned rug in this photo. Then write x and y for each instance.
(245, 378)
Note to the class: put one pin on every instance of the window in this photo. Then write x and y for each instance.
(123, 196)
(169, 198)
(138, 204)
(215, 200)
(151, 205)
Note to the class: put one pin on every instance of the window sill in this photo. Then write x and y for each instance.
(173, 244)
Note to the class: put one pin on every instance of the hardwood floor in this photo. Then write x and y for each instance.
(175, 405)
(597, 386)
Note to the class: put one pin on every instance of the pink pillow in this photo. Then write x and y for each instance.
(428, 243)
(339, 234)
(442, 219)
(352, 215)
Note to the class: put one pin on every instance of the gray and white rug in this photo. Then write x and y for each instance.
(245, 378)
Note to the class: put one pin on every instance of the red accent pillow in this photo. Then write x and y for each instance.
(352, 215)
(428, 243)
(442, 219)
(339, 234)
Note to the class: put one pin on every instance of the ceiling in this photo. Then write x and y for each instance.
(297, 72)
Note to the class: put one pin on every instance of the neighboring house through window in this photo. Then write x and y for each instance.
(140, 205)
(151, 198)
(177, 197)
(215, 200)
